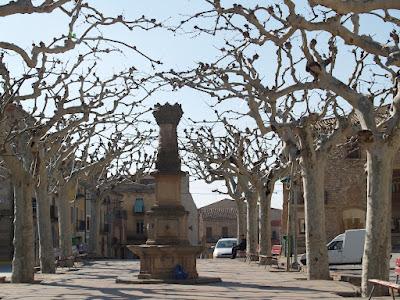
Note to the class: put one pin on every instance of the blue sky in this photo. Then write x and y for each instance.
(175, 51)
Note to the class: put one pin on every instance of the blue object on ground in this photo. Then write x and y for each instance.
(179, 273)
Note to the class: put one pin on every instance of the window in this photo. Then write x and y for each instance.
(226, 244)
(302, 226)
(335, 245)
(208, 232)
(139, 205)
(87, 223)
(224, 232)
(140, 227)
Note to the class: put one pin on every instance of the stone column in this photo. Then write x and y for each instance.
(167, 245)
(168, 218)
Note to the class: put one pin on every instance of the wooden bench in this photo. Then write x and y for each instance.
(391, 285)
(273, 259)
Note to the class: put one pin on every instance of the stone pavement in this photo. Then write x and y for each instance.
(240, 280)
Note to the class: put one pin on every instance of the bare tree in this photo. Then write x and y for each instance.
(297, 95)
(243, 160)
(46, 83)
(209, 169)
(211, 158)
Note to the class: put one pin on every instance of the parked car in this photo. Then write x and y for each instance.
(346, 248)
(223, 248)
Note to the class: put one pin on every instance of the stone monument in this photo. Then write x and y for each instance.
(167, 230)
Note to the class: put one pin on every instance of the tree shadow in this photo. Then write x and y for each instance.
(239, 285)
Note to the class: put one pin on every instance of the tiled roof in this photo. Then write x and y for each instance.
(135, 187)
(218, 213)
(381, 113)
(224, 203)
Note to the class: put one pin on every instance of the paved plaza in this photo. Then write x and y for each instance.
(240, 280)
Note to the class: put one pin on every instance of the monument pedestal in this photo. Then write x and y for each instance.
(159, 261)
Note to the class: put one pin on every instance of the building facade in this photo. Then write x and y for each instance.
(219, 220)
(128, 226)
(345, 196)
(122, 218)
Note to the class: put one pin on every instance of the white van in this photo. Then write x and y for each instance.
(346, 248)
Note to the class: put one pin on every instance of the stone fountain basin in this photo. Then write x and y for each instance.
(158, 261)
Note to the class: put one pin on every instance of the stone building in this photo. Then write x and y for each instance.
(122, 217)
(345, 196)
(129, 224)
(219, 220)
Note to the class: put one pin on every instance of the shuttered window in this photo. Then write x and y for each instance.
(139, 205)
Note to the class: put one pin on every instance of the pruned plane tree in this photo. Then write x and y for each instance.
(297, 64)
(246, 161)
(60, 100)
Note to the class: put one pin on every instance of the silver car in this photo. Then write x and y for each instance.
(223, 248)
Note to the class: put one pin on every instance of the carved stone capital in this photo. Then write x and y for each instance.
(167, 113)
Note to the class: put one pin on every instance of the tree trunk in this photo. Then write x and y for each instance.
(378, 237)
(241, 218)
(296, 194)
(94, 234)
(265, 224)
(252, 225)
(67, 195)
(313, 173)
(23, 261)
(46, 252)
